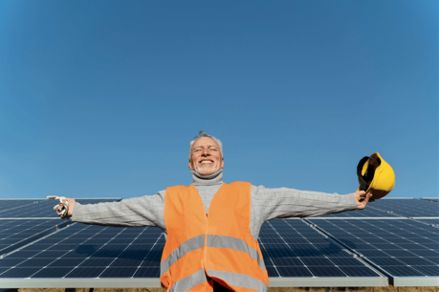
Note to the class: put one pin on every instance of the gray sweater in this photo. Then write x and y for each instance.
(266, 203)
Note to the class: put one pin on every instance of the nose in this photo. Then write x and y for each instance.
(206, 152)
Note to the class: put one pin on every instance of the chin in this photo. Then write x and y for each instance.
(206, 172)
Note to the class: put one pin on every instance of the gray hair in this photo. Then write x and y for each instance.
(202, 134)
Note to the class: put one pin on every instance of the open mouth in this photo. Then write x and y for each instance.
(206, 161)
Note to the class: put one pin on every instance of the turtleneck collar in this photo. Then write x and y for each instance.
(215, 178)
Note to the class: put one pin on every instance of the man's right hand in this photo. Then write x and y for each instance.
(64, 209)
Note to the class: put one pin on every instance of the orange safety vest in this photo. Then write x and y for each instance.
(217, 246)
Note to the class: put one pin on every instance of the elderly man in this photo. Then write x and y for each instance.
(212, 227)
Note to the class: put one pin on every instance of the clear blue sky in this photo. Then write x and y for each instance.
(101, 98)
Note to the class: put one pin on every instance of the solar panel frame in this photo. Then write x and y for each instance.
(80, 283)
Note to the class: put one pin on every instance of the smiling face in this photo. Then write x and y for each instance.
(206, 157)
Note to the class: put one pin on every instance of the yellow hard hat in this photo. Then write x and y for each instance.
(375, 175)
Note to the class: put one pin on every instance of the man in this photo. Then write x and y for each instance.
(212, 227)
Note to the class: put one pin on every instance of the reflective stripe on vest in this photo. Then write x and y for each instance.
(233, 279)
(222, 241)
(190, 281)
(218, 241)
(185, 247)
(239, 280)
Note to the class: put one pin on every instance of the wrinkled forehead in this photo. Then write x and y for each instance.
(205, 142)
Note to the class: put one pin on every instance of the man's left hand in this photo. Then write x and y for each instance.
(362, 198)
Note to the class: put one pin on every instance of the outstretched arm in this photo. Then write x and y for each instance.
(287, 202)
(268, 203)
(139, 211)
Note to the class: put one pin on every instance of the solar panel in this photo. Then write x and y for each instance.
(395, 208)
(346, 249)
(409, 207)
(36, 208)
(14, 206)
(404, 249)
(434, 199)
(374, 209)
(300, 257)
(87, 252)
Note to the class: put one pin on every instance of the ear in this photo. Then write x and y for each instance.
(222, 162)
(189, 165)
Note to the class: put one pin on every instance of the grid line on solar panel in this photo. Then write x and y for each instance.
(398, 248)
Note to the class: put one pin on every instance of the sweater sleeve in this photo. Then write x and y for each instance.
(139, 211)
(269, 203)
